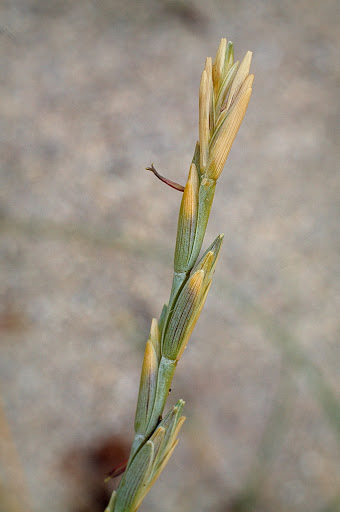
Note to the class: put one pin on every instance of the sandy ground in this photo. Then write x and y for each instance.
(91, 93)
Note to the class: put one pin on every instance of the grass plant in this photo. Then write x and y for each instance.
(224, 94)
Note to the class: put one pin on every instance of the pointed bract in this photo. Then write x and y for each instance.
(224, 89)
(218, 67)
(204, 128)
(241, 75)
(147, 388)
(220, 150)
(175, 334)
(207, 263)
(229, 57)
(187, 221)
(155, 337)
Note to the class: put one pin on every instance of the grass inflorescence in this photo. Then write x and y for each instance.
(225, 90)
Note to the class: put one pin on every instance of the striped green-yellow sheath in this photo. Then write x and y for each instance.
(151, 417)
(166, 371)
(186, 229)
(189, 303)
(195, 208)
(187, 221)
(183, 310)
(148, 380)
(147, 389)
(181, 270)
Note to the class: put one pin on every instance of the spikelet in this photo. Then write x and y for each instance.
(218, 67)
(189, 304)
(204, 117)
(187, 221)
(181, 316)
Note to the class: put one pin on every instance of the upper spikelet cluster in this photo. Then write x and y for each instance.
(225, 91)
(224, 95)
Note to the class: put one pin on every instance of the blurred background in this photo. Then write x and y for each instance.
(92, 92)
